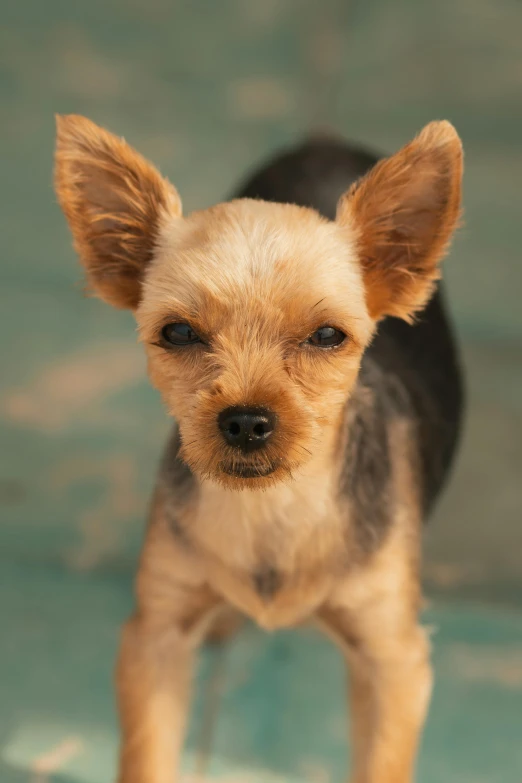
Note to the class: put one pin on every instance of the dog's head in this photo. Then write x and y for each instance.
(255, 315)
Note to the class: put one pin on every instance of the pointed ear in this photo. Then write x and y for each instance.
(403, 213)
(115, 203)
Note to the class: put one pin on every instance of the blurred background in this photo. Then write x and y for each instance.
(207, 90)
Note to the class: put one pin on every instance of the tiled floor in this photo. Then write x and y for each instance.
(206, 89)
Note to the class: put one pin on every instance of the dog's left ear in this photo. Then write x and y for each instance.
(403, 213)
(115, 202)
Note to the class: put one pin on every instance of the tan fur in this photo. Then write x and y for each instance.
(254, 280)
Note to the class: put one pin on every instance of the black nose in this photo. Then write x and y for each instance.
(247, 429)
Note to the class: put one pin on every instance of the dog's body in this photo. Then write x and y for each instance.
(297, 480)
(409, 374)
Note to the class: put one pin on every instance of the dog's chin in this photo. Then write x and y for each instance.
(248, 471)
(248, 475)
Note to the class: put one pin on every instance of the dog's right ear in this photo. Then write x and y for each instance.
(115, 203)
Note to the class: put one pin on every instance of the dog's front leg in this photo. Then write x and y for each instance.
(390, 696)
(390, 683)
(154, 671)
(155, 662)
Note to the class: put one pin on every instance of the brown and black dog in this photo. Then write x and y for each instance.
(298, 336)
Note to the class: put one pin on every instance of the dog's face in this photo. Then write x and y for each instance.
(254, 318)
(255, 315)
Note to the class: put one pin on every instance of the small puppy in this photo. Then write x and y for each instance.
(303, 349)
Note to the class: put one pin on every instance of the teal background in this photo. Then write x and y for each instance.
(207, 89)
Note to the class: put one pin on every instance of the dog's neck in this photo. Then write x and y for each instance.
(287, 513)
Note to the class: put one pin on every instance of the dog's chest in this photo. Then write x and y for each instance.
(272, 554)
(274, 598)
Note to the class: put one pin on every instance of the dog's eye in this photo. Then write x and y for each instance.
(179, 334)
(327, 337)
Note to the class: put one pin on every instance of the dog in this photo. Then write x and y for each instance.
(298, 336)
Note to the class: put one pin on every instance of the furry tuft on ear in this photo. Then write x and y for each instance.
(404, 212)
(114, 202)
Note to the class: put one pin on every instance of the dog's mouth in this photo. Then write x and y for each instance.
(248, 470)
